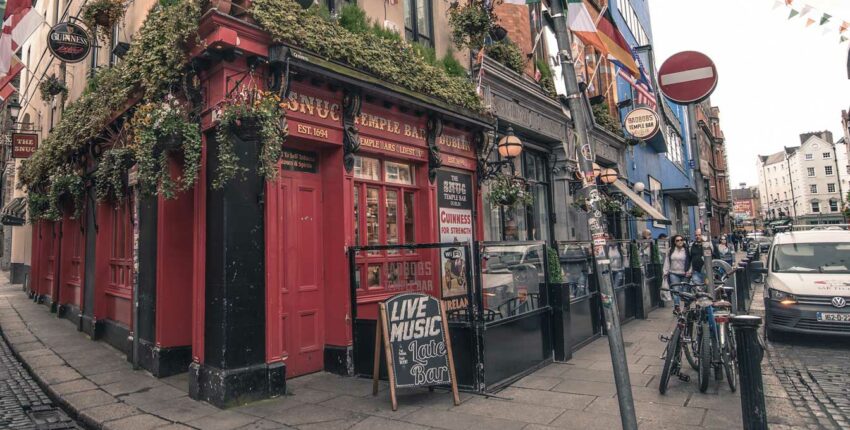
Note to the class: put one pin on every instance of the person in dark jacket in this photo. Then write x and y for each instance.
(697, 260)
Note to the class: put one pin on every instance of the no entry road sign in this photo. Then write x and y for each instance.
(687, 77)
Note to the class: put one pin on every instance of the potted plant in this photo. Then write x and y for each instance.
(104, 14)
(161, 128)
(51, 86)
(610, 206)
(471, 23)
(637, 212)
(508, 190)
(249, 112)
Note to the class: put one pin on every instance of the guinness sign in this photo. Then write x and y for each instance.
(69, 42)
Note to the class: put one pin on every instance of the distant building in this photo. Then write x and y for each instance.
(806, 183)
(746, 211)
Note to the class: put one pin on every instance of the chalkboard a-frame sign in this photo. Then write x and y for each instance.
(414, 332)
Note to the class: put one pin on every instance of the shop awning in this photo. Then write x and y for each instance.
(651, 211)
(685, 195)
(14, 212)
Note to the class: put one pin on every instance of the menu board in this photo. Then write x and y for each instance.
(414, 333)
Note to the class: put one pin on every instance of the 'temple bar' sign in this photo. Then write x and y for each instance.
(24, 144)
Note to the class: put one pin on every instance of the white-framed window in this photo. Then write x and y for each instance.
(809, 156)
(827, 155)
(830, 188)
(833, 205)
(813, 189)
(810, 171)
(674, 146)
(815, 207)
(827, 170)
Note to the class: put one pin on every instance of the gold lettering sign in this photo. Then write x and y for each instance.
(309, 130)
(455, 142)
(312, 106)
(383, 145)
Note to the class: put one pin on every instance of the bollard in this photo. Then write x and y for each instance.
(741, 285)
(750, 354)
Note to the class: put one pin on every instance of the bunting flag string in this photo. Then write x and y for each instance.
(815, 15)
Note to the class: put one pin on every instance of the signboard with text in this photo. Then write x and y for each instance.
(454, 208)
(68, 42)
(413, 331)
(642, 123)
(299, 161)
(24, 144)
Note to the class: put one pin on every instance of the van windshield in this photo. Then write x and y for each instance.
(812, 257)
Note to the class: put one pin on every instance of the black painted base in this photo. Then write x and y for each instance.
(163, 362)
(92, 327)
(18, 273)
(117, 335)
(339, 360)
(232, 387)
(48, 301)
(71, 313)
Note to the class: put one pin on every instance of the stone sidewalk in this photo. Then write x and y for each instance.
(97, 385)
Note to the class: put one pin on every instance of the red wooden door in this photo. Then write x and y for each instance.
(302, 282)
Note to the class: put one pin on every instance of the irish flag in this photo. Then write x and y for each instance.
(581, 24)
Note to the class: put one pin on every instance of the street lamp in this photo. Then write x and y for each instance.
(509, 146)
(639, 187)
(14, 109)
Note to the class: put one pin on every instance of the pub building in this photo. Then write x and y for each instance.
(379, 192)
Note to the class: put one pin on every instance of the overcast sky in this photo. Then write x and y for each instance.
(777, 78)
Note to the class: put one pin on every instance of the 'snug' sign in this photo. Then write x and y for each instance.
(415, 337)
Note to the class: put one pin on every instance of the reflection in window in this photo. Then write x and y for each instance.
(356, 216)
(367, 168)
(374, 276)
(372, 224)
(409, 217)
(511, 278)
(398, 173)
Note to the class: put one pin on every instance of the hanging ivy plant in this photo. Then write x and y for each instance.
(111, 174)
(65, 187)
(547, 82)
(51, 86)
(610, 206)
(508, 190)
(160, 128)
(249, 107)
(637, 212)
(603, 118)
(471, 23)
(37, 205)
(104, 14)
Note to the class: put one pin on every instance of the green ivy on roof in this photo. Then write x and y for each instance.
(394, 61)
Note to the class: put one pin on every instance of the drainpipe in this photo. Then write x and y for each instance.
(840, 191)
(791, 179)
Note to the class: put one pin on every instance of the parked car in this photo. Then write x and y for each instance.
(807, 283)
(511, 277)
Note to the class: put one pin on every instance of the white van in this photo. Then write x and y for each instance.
(807, 287)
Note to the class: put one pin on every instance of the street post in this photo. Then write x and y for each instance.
(595, 220)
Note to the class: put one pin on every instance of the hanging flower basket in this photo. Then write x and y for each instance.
(52, 86)
(104, 14)
(253, 115)
(509, 191)
(637, 212)
(158, 129)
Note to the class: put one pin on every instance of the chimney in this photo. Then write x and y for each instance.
(825, 135)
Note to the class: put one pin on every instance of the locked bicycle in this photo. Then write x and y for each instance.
(672, 354)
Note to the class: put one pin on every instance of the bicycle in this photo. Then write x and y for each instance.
(673, 352)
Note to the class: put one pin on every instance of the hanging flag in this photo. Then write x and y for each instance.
(843, 27)
(806, 9)
(788, 2)
(6, 51)
(644, 96)
(618, 48)
(521, 2)
(776, 4)
(843, 39)
(809, 22)
(6, 87)
(825, 18)
(793, 13)
(28, 24)
(581, 24)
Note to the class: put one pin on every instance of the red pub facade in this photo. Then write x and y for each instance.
(249, 285)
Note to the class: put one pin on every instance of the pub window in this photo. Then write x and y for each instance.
(398, 173)
(417, 21)
(522, 222)
(387, 201)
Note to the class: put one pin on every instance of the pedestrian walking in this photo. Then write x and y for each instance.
(725, 251)
(677, 268)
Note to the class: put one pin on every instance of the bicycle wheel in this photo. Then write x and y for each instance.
(690, 348)
(669, 360)
(704, 340)
(730, 360)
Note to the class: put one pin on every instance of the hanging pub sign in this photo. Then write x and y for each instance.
(454, 208)
(642, 123)
(414, 333)
(68, 42)
(24, 144)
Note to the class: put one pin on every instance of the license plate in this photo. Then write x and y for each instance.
(826, 316)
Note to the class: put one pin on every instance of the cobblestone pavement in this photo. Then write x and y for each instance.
(23, 404)
(812, 373)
